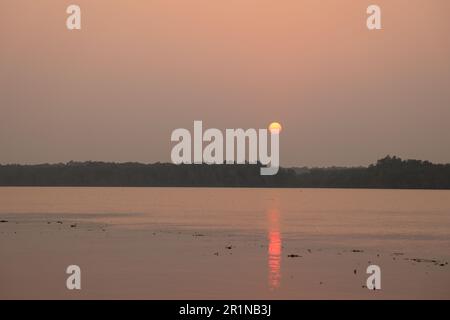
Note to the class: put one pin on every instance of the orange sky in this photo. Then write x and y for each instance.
(115, 90)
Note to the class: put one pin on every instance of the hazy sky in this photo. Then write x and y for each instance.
(137, 70)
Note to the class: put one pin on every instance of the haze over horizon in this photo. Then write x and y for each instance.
(115, 90)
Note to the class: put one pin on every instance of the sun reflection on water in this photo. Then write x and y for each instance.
(274, 249)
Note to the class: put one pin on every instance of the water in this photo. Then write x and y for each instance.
(347, 213)
(414, 222)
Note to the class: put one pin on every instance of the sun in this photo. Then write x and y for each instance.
(275, 128)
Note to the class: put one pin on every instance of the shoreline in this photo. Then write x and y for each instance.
(222, 187)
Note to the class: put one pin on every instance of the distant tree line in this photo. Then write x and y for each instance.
(389, 172)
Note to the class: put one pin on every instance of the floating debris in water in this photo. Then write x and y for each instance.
(433, 261)
(198, 235)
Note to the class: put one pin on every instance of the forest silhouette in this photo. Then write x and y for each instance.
(389, 172)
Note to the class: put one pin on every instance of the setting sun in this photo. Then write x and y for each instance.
(275, 128)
